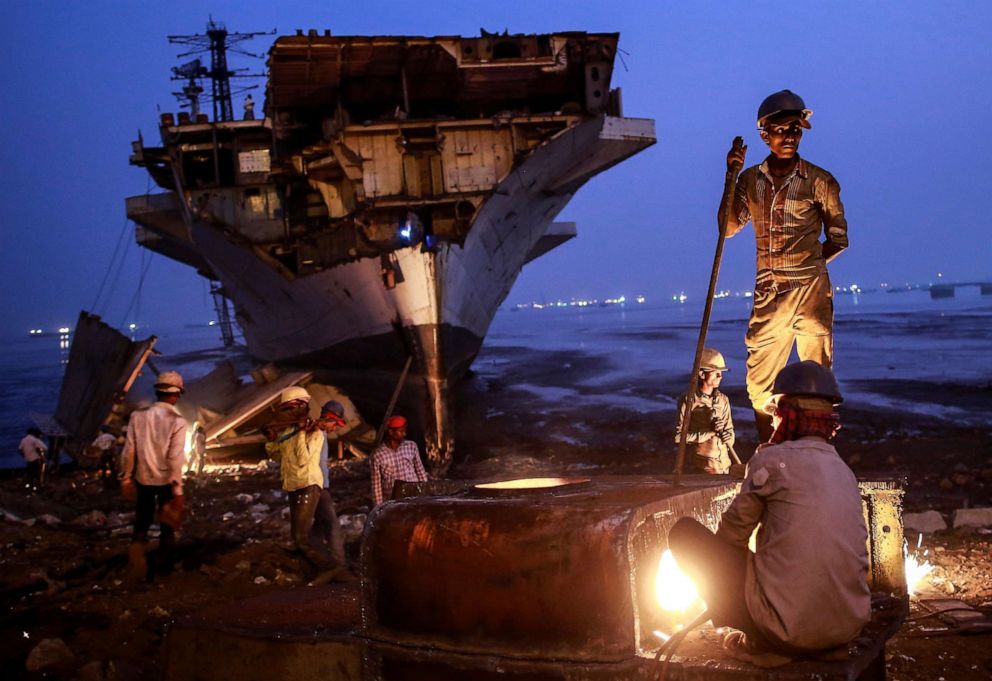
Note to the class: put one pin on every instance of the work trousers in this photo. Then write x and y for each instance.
(803, 316)
(302, 509)
(32, 472)
(718, 570)
(326, 527)
(151, 498)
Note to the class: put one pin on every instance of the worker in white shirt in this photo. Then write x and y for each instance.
(34, 451)
(151, 473)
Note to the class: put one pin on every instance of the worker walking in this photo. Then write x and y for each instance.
(34, 452)
(791, 202)
(295, 442)
(152, 474)
(805, 586)
(326, 526)
(710, 435)
(395, 459)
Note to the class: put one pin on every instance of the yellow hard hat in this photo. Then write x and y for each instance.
(712, 360)
(294, 393)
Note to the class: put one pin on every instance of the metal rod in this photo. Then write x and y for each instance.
(729, 187)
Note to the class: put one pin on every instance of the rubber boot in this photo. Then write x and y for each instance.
(763, 422)
(137, 564)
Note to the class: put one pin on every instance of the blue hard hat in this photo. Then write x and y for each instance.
(333, 407)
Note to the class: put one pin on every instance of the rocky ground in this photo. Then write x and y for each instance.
(64, 549)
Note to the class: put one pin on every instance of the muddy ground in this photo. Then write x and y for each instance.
(62, 576)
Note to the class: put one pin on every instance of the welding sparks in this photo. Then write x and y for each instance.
(675, 590)
(916, 568)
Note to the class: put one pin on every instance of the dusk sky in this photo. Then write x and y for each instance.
(900, 91)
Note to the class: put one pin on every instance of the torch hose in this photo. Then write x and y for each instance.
(669, 647)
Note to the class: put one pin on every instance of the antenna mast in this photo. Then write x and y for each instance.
(218, 41)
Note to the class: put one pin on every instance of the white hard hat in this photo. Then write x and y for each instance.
(294, 393)
(712, 360)
(169, 382)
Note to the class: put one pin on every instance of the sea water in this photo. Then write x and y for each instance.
(879, 338)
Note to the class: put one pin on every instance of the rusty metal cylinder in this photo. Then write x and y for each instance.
(563, 570)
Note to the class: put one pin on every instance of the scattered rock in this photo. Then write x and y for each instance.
(946, 485)
(244, 498)
(227, 516)
(353, 526)
(49, 655)
(973, 517)
(259, 508)
(243, 565)
(961, 479)
(260, 580)
(960, 468)
(94, 518)
(925, 523)
(158, 611)
(48, 519)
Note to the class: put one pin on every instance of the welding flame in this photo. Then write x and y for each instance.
(676, 592)
(917, 568)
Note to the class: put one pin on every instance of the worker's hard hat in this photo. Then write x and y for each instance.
(293, 394)
(712, 360)
(782, 102)
(396, 422)
(805, 379)
(169, 382)
(333, 407)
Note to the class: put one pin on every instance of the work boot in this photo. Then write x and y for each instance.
(137, 564)
(763, 422)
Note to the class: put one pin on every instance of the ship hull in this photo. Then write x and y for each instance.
(438, 307)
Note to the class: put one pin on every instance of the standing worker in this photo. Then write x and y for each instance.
(152, 473)
(710, 435)
(791, 202)
(33, 450)
(395, 459)
(805, 587)
(295, 442)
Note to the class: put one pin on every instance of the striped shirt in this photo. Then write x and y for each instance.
(390, 465)
(788, 223)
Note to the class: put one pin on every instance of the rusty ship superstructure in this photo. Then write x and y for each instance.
(384, 202)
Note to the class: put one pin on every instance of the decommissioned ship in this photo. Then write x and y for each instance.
(383, 204)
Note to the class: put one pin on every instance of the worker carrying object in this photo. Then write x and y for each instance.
(152, 474)
(791, 202)
(295, 441)
(805, 587)
(710, 435)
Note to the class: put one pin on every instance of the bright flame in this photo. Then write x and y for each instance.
(916, 568)
(675, 591)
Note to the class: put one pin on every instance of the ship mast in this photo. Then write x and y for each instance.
(218, 41)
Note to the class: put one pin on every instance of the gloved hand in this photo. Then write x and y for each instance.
(129, 490)
(173, 512)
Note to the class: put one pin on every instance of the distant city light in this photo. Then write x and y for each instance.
(64, 329)
(132, 326)
(640, 299)
(36, 332)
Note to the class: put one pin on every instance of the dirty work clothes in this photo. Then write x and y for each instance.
(719, 570)
(151, 498)
(711, 431)
(327, 528)
(390, 465)
(788, 223)
(298, 454)
(302, 508)
(153, 451)
(806, 586)
(32, 449)
(802, 315)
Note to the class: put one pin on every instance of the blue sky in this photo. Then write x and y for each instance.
(900, 92)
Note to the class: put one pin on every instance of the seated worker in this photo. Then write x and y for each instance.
(711, 428)
(805, 587)
(295, 442)
(395, 459)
